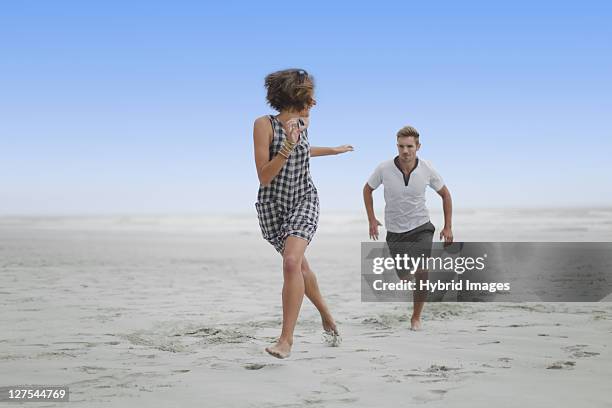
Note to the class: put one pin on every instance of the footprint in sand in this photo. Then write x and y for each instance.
(435, 373)
(562, 365)
(329, 370)
(91, 369)
(391, 378)
(489, 342)
(258, 366)
(506, 362)
(434, 368)
(254, 366)
(578, 352)
(336, 387)
(430, 395)
(581, 354)
(383, 360)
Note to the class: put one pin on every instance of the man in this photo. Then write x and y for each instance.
(409, 229)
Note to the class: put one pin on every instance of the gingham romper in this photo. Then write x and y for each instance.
(289, 205)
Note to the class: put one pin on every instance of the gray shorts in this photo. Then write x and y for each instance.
(414, 243)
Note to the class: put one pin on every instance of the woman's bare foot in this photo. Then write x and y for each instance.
(329, 325)
(331, 336)
(415, 324)
(282, 349)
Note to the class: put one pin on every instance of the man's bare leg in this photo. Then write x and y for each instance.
(293, 294)
(314, 294)
(420, 296)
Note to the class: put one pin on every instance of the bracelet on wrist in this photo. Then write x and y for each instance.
(288, 144)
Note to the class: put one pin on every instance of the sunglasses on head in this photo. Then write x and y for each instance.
(302, 74)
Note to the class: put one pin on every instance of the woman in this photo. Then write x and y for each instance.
(287, 202)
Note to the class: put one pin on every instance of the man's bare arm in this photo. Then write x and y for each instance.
(447, 206)
(368, 200)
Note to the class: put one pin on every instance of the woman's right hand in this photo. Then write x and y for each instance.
(293, 128)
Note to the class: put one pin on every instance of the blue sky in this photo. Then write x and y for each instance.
(148, 107)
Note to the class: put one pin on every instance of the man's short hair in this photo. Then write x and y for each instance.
(408, 131)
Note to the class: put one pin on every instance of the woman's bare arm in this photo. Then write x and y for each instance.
(328, 151)
(262, 136)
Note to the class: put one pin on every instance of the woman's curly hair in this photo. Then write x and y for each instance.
(290, 89)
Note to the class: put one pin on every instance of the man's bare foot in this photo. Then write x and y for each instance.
(282, 349)
(415, 324)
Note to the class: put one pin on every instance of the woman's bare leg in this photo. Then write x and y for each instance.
(313, 293)
(293, 294)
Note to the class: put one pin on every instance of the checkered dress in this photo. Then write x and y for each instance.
(289, 205)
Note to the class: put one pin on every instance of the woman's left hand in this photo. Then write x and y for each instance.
(343, 149)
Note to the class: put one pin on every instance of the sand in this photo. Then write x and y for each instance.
(176, 311)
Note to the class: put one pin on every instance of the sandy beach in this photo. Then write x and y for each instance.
(176, 311)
